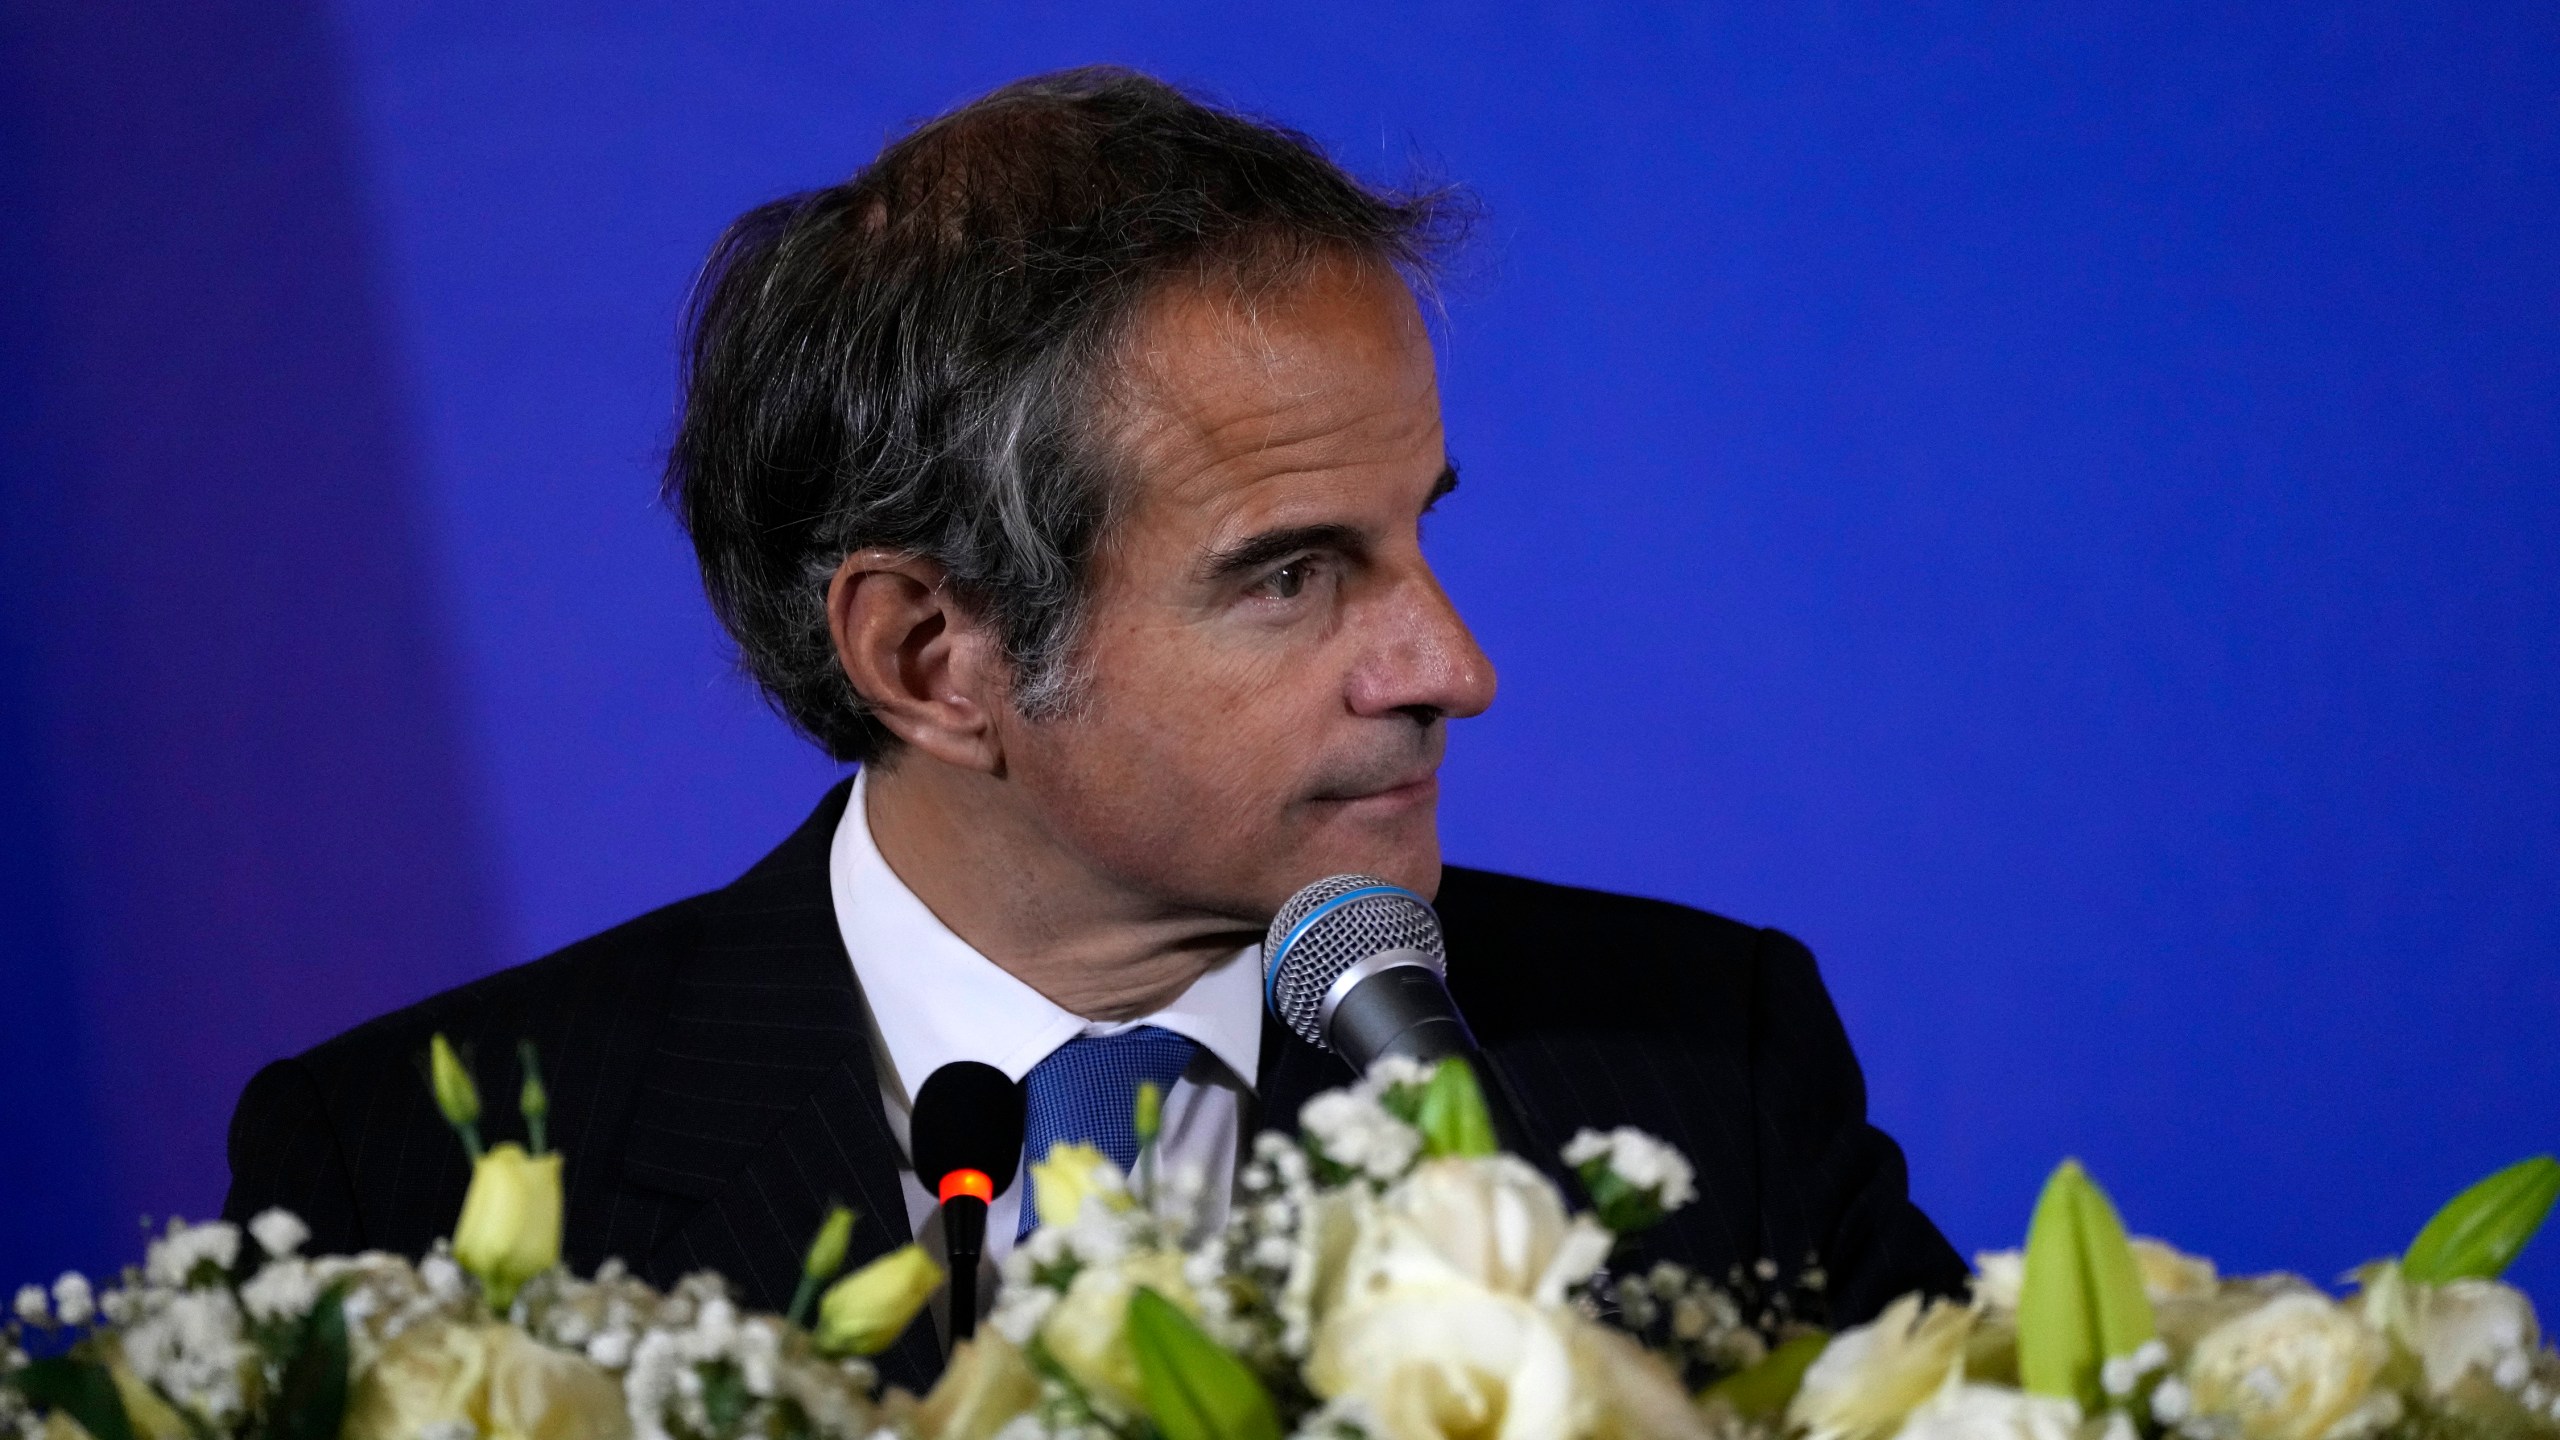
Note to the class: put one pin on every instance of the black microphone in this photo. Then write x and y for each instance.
(1356, 965)
(966, 1133)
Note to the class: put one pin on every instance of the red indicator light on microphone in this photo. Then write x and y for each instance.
(968, 1182)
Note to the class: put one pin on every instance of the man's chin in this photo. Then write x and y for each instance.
(1405, 853)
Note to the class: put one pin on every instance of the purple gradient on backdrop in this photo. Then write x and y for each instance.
(2060, 516)
(251, 782)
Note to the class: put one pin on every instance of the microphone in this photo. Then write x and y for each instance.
(1356, 965)
(966, 1133)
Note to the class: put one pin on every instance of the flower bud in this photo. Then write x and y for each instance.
(1150, 1116)
(2081, 1301)
(1072, 1173)
(510, 1226)
(532, 1100)
(456, 1095)
(826, 1250)
(866, 1311)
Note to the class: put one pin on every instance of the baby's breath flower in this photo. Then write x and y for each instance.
(2171, 1401)
(73, 1301)
(174, 1257)
(1356, 1133)
(278, 1231)
(442, 1276)
(1020, 1309)
(610, 1349)
(30, 1306)
(1638, 1159)
(191, 1347)
(284, 1289)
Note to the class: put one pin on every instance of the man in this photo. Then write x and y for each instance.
(1066, 469)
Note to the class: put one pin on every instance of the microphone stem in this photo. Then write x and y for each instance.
(964, 1240)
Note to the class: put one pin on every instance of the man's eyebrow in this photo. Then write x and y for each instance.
(1271, 546)
(1441, 487)
(1256, 551)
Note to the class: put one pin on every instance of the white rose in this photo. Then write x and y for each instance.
(1437, 1365)
(1438, 1309)
(2296, 1368)
(2465, 1325)
(1991, 1412)
(1087, 1331)
(1637, 1396)
(987, 1384)
(1329, 1226)
(2169, 1273)
(1493, 1221)
(1869, 1378)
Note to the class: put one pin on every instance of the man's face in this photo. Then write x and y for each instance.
(1269, 662)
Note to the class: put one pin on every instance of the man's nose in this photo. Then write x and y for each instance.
(1425, 661)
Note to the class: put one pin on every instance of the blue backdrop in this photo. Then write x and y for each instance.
(2058, 513)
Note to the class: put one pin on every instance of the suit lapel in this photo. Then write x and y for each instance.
(762, 1102)
(1293, 1072)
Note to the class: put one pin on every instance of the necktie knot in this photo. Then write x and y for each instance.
(1087, 1090)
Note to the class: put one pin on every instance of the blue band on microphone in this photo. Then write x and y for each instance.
(1271, 962)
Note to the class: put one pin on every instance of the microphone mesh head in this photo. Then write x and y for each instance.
(1331, 926)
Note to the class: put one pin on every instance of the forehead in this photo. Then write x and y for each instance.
(1236, 398)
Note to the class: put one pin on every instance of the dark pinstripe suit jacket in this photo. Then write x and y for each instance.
(712, 1086)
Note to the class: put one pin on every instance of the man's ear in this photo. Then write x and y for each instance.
(925, 665)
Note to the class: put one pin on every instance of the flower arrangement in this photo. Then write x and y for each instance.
(1388, 1275)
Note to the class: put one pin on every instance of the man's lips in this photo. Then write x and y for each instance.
(1401, 792)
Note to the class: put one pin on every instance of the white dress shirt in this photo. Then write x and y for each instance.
(934, 999)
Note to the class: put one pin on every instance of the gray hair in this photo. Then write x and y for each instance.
(915, 359)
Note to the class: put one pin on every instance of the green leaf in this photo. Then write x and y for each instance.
(81, 1389)
(1453, 1117)
(311, 1401)
(1764, 1391)
(2081, 1303)
(1194, 1389)
(725, 1398)
(2480, 1231)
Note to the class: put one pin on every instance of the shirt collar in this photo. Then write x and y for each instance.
(934, 999)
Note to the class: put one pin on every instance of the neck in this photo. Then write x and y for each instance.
(1001, 880)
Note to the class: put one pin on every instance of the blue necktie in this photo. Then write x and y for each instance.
(1088, 1090)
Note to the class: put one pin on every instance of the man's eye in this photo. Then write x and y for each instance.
(1286, 582)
